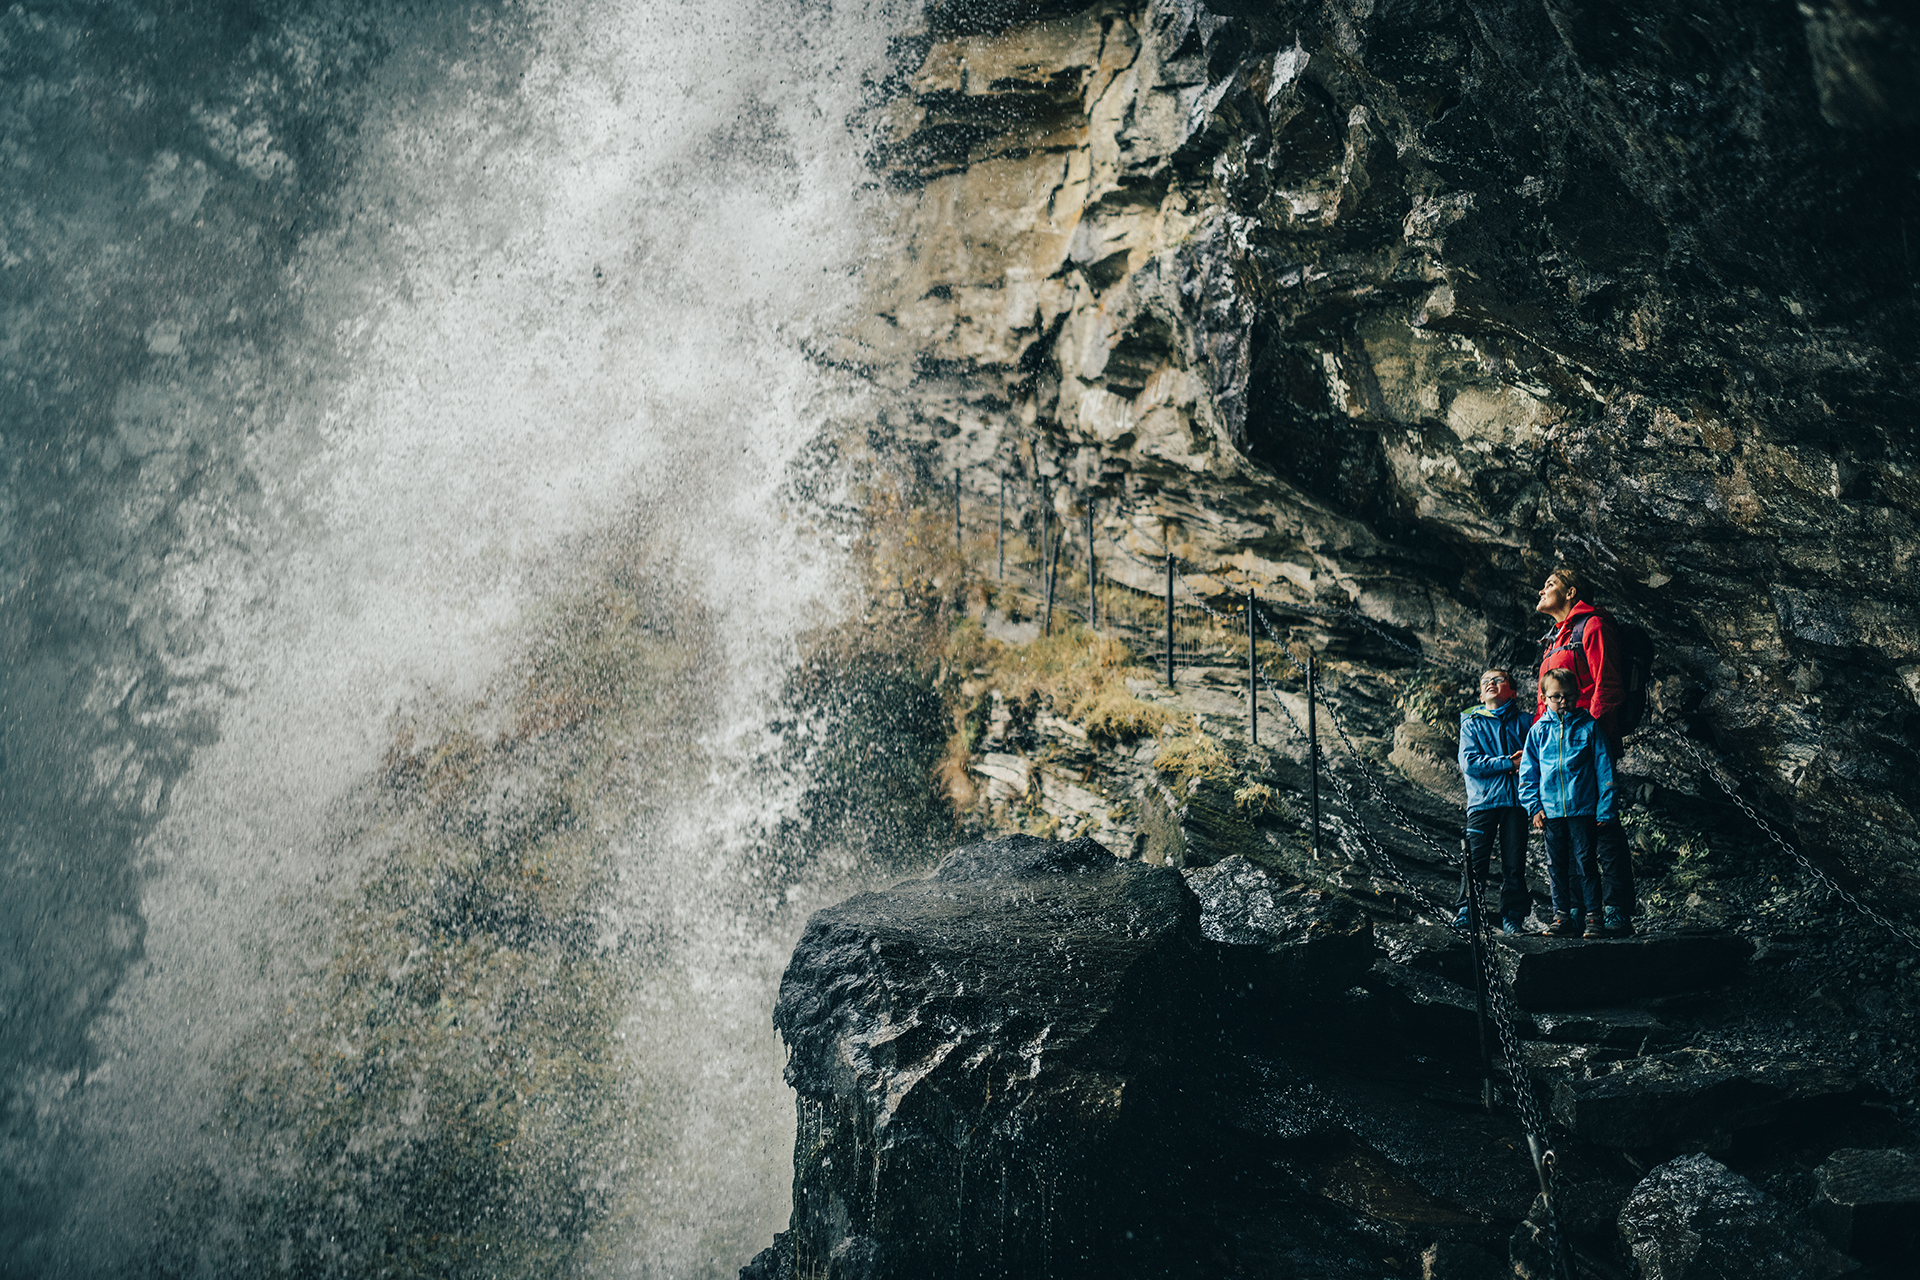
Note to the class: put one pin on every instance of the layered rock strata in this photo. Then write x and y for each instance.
(1389, 307)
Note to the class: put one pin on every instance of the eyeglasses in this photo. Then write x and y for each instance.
(1559, 697)
(1494, 683)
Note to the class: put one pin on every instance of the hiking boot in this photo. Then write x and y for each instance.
(1511, 926)
(1594, 928)
(1463, 921)
(1617, 923)
(1563, 927)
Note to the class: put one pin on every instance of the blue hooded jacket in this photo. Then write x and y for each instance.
(1488, 738)
(1567, 771)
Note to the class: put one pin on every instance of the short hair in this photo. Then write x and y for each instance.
(1502, 672)
(1557, 676)
(1570, 579)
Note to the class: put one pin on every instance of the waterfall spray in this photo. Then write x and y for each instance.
(405, 553)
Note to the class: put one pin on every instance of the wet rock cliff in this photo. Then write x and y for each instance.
(1390, 307)
(1379, 311)
(1043, 1061)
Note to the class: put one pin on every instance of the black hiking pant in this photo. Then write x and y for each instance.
(1506, 827)
(1572, 876)
(1615, 865)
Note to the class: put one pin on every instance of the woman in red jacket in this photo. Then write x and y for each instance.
(1578, 643)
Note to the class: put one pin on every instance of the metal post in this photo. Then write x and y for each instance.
(1472, 887)
(1053, 572)
(1000, 530)
(1253, 679)
(1093, 595)
(1313, 757)
(1169, 619)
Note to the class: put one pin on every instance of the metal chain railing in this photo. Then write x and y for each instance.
(1712, 770)
(1370, 846)
(1533, 1120)
(1507, 1014)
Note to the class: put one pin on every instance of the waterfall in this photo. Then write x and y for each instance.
(401, 410)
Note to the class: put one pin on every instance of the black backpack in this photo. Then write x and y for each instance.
(1635, 644)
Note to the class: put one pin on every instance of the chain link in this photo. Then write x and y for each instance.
(1507, 1015)
(1712, 770)
(1506, 1018)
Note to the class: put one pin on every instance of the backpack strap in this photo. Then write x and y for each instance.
(1574, 639)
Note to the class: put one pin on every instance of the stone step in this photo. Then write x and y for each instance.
(1570, 973)
(1684, 1096)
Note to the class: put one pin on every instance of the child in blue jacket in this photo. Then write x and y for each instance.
(1493, 736)
(1566, 783)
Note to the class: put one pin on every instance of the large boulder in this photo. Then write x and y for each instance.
(1868, 1202)
(1695, 1219)
(1287, 937)
(989, 1062)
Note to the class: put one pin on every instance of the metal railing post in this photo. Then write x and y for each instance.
(1253, 679)
(1169, 619)
(1093, 594)
(1313, 757)
(1051, 566)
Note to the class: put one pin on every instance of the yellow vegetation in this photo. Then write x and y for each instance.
(1192, 752)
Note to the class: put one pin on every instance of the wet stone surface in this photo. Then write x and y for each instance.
(1868, 1203)
(1688, 1095)
(1693, 1218)
(1232, 1071)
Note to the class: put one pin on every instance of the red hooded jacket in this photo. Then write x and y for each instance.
(1601, 691)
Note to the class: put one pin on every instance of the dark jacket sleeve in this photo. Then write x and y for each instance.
(1608, 690)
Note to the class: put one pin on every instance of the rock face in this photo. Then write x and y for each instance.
(985, 1059)
(1694, 1218)
(1041, 1060)
(1390, 307)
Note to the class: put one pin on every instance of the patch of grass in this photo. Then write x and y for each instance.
(1080, 673)
(1192, 752)
(1112, 714)
(1256, 799)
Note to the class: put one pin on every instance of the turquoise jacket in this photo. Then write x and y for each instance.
(1567, 771)
(1488, 739)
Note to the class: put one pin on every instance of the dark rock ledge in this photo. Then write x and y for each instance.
(1044, 1061)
